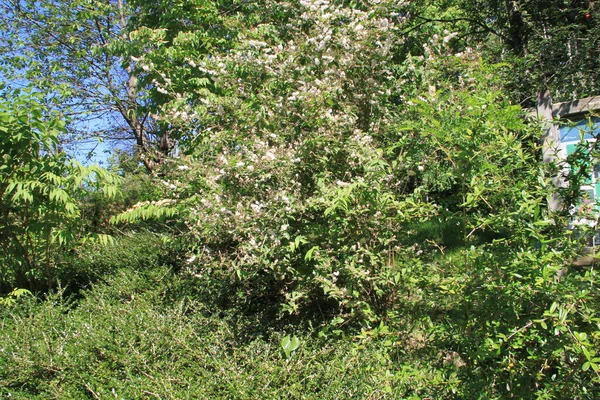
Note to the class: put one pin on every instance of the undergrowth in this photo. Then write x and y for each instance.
(143, 335)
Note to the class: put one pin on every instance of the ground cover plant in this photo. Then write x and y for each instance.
(143, 335)
(330, 200)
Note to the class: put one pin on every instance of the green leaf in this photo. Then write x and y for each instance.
(289, 345)
(309, 253)
(586, 365)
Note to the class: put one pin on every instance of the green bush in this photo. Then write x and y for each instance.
(40, 188)
(326, 223)
(140, 335)
(92, 262)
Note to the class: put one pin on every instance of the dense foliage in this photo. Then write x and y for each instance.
(39, 192)
(357, 209)
(549, 43)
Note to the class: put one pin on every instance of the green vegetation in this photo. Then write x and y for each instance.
(323, 200)
(39, 192)
(143, 335)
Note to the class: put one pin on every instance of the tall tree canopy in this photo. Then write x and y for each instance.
(85, 55)
(549, 44)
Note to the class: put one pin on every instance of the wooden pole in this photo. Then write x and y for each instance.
(551, 142)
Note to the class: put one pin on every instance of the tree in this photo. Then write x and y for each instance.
(550, 44)
(293, 130)
(320, 151)
(63, 48)
(97, 62)
(39, 191)
(165, 40)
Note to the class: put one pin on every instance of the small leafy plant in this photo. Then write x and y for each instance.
(289, 344)
(12, 297)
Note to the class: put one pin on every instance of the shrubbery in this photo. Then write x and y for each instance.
(40, 188)
(349, 215)
(94, 262)
(143, 334)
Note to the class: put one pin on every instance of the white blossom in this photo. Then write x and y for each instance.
(191, 259)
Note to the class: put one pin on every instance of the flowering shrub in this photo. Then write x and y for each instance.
(331, 167)
(312, 162)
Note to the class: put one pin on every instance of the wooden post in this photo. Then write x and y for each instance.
(551, 148)
(551, 142)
